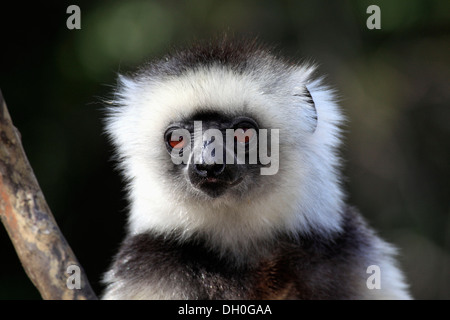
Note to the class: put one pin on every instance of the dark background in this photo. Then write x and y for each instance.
(393, 84)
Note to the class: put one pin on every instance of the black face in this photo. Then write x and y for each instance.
(218, 152)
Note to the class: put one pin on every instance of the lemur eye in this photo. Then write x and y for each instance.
(177, 144)
(244, 135)
(176, 138)
(244, 129)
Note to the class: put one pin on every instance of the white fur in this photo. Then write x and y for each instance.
(307, 194)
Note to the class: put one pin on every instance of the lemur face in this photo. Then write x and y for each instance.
(217, 153)
(230, 129)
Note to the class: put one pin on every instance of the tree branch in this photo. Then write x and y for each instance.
(40, 245)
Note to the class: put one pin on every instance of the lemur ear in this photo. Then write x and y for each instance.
(311, 107)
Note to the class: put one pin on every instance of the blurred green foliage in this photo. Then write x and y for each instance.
(393, 85)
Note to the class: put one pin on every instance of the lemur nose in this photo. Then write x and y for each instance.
(208, 164)
(209, 170)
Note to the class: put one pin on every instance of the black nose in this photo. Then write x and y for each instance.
(209, 170)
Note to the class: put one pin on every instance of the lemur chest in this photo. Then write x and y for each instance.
(190, 270)
(266, 279)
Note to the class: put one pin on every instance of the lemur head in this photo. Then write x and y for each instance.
(228, 140)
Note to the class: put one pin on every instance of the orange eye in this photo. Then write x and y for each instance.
(177, 144)
(243, 135)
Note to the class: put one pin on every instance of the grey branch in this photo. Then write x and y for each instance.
(39, 243)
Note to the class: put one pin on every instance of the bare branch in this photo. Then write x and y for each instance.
(40, 245)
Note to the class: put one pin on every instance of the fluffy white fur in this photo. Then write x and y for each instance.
(307, 192)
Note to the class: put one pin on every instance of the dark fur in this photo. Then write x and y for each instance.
(233, 54)
(304, 268)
